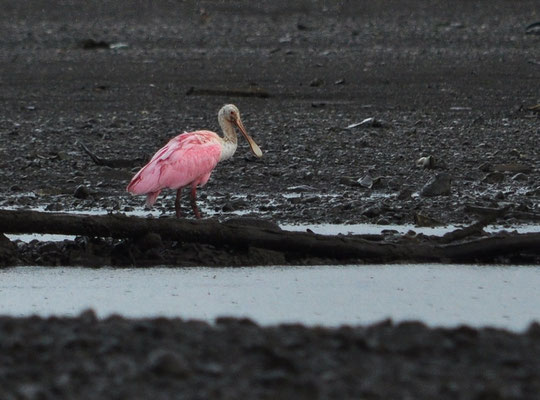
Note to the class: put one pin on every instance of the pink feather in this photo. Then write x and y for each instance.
(187, 159)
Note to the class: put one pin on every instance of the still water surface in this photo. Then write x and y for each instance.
(437, 294)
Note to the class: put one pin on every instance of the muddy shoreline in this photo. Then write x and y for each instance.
(457, 81)
(85, 357)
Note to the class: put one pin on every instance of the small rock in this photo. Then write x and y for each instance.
(493, 177)
(405, 193)
(499, 195)
(316, 82)
(520, 177)
(439, 185)
(7, 251)
(88, 317)
(426, 162)
(348, 180)
(366, 181)
(301, 188)
(81, 192)
(90, 44)
(167, 362)
(485, 167)
(54, 207)
(373, 211)
(425, 220)
(512, 167)
(533, 29)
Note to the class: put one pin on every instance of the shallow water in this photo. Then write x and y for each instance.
(437, 294)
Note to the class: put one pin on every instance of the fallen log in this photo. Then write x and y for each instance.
(242, 238)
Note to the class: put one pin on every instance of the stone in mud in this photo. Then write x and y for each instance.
(81, 192)
(520, 177)
(439, 185)
(7, 251)
(426, 162)
(405, 193)
(493, 177)
(167, 362)
(426, 220)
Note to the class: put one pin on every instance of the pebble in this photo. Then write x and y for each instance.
(163, 361)
(439, 185)
(81, 192)
(520, 177)
(493, 177)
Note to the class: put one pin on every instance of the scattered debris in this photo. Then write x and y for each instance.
(533, 29)
(118, 46)
(115, 163)
(426, 162)
(366, 181)
(439, 185)
(493, 177)
(316, 82)
(487, 212)
(370, 122)
(91, 44)
(81, 192)
(425, 220)
(520, 176)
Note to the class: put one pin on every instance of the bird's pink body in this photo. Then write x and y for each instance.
(187, 159)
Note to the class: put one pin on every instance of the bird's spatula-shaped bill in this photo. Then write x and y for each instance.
(254, 147)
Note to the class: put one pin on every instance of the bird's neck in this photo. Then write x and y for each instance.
(230, 140)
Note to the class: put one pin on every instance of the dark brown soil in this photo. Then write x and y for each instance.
(455, 80)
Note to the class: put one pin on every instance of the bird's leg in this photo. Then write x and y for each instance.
(194, 201)
(177, 203)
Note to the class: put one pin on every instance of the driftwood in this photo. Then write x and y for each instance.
(506, 211)
(241, 237)
(112, 163)
(249, 92)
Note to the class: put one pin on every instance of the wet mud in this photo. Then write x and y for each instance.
(385, 112)
(88, 358)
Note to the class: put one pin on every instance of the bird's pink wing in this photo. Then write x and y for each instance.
(186, 158)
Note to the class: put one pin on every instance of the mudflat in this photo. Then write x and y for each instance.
(343, 99)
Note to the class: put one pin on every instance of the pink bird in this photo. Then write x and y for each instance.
(189, 159)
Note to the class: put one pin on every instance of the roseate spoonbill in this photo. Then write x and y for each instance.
(189, 159)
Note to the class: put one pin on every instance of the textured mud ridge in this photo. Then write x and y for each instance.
(87, 358)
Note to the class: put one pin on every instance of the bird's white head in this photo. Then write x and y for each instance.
(229, 115)
(229, 112)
